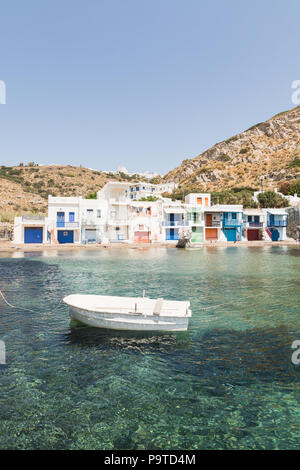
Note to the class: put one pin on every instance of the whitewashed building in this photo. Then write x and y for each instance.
(276, 223)
(31, 229)
(254, 225)
(116, 217)
(137, 191)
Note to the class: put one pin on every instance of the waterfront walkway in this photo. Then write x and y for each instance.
(10, 246)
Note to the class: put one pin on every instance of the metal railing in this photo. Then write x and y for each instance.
(254, 224)
(232, 223)
(113, 221)
(90, 222)
(213, 223)
(63, 224)
(175, 223)
(277, 223)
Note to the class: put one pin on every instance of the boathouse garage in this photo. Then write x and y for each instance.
(33, 234)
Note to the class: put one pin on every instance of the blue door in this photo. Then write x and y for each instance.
(71, 216)
(271, 220)
(172, 221)
(60, 221)
(230, 234)
(172, 234)
(65, 236)
(33, 235)
(275, 234)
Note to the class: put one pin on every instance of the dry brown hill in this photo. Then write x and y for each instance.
(268, 151)
(25, 189)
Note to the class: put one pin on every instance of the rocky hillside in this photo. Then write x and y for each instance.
(25, 189)
(269, 151)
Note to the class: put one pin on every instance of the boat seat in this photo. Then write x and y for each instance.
(158, 307)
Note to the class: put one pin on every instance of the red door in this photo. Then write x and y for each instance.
(208, 220)
(253, 235)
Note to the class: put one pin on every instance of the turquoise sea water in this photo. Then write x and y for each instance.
(228, 383)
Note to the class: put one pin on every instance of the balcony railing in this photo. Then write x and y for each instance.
(63, 224)
(277, 223)
(192, 223)
(113, 221)
(232, 223)
(92, 222)
(175, 223)
(133, 215)
(255, 224)
(214, 223)
(119, 200)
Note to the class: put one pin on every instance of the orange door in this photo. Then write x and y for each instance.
(199, 200)
(141, 237)
(211, 234)
(206, 201)
(209, 220)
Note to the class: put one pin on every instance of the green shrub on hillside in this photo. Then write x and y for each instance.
(272, 199)
(294, 163)
(234, 196)
(91, 195)
(289, 188)
(149, 198)
(223, 158)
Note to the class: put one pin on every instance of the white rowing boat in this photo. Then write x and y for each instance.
(129, 313)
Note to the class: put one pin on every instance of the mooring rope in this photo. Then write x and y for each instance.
(27, 309)
(52, 311)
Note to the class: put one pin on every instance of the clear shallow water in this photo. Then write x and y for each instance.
(228, 383)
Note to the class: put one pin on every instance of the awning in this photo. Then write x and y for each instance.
(277, 211)
(175, 210)
(194, 209)
(253, 212)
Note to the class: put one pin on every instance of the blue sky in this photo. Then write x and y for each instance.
(140, 83)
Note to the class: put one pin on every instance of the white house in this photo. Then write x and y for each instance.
(116, 217)
(277, 222)
(93, 220)
(145, 222)
(137, 191)
(254, 225)
(172, 220)
(63, 218)
(31, 229)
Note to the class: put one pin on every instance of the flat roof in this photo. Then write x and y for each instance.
(224, 208)
(277, 211)
(253, 212)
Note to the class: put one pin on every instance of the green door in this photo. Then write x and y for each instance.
(197, 235)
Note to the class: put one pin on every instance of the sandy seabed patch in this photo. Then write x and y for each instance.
(10, 246)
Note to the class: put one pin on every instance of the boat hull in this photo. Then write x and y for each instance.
(127, 322)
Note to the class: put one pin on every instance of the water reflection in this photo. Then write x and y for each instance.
(226, 383)
(124, 340)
